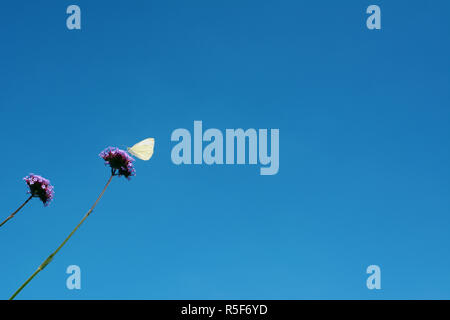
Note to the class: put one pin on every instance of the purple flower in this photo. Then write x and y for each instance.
(40, 187)
(120, 161)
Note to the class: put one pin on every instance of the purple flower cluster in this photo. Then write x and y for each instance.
(40, 187)
(120, 161)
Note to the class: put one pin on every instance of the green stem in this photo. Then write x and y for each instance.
(14, 213)
(50, 257)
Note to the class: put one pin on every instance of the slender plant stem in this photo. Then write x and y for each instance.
(14, 213)
(50, 257)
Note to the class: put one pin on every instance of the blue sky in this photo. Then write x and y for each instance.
(364, 160)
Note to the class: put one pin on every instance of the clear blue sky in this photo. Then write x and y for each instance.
(364, 156)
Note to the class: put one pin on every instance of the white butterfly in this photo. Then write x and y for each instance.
(144, 149)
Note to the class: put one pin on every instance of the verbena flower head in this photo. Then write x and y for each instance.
(40, 188)
(120, 161)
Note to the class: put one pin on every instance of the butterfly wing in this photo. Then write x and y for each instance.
(144, 149)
